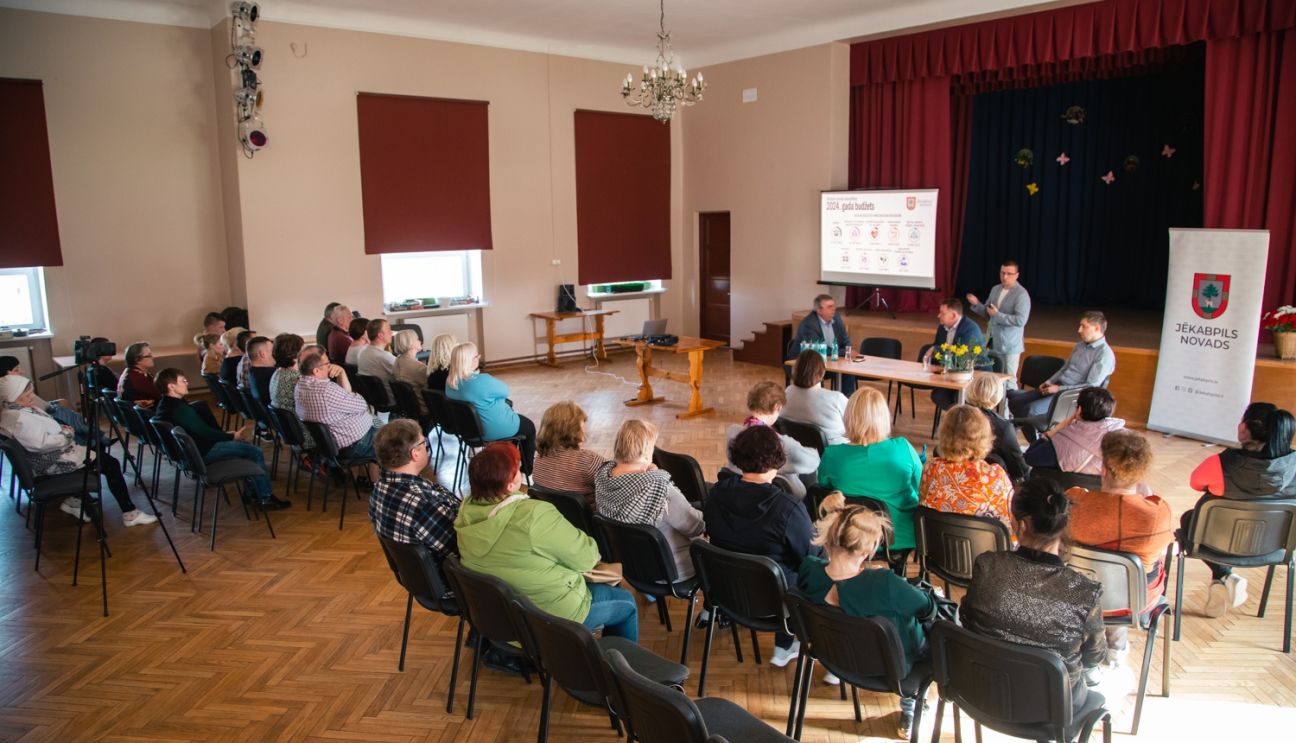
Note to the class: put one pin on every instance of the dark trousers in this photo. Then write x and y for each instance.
(527, 429)
(1218, 572)
(110, 468)
(846, 384)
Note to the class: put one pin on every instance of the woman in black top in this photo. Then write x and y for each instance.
(751, 514)
(986, 392)
(1030, 597)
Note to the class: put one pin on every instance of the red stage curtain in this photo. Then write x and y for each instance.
(29, 234)
(424, 173)
(1250, 178)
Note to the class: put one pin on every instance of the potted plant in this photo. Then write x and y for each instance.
(1282, 323)
(959, 361)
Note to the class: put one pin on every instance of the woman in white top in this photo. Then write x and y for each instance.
(808, 401)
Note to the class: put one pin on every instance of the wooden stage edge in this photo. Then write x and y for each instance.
(1134, 335)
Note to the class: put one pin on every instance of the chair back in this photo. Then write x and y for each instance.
(218, 392)
(654, 713)
(647, 561)
(685, 472)
(864, 651)
(749, 588)
(17, 457)
(418, 329)
(566, 650)
(416, 570)
(1121, 574)
(1261, 532)
(162, 431)
(1064, 406)
(806, 434)
(1067, 480)
(189, 452)
(949, 543)
(373, 390)
(438, 406)
(572, 506)
(289, 427)
(129, 418)
(467, 425)
(407, 399)
(235, 398)
(1036, 369)
(151, 435)
(999, 683)
(486, 600)
(887, 348)
(324, 440)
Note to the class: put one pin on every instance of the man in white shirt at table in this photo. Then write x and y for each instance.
(1008, 306)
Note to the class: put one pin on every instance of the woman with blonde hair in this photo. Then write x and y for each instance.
(438, 362)
(489, 397)
(406, 345)
(958, 479)
(874, 464)
(630, 489)
(986, 392)
(561, 463)
(850, 534)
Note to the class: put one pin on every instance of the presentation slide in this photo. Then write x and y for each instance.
(878, 238)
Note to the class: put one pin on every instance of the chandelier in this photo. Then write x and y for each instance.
(665, 85)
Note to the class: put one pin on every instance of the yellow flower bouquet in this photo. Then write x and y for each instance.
(960, 357)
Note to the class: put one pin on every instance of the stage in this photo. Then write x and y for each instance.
(1135, 336)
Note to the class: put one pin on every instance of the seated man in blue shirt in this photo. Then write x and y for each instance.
(956, 330)
(824, 325)
(1090, 365)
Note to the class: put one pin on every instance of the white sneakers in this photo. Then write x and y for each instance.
(138, 517)
(72, 507)
(1225, 594)
(783, 656)
(831, 679)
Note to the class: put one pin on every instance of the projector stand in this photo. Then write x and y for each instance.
(878, 301)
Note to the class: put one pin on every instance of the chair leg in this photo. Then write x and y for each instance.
(1106, 723)
(409, 606)
(733, 630)
(859, 717)
(1264, 595)
(688, 629)
(805, 693)
(976, 730)
(1287, 617)
(454, 668)
(936, 726)
(472, 686)
(266, 514)
(1165, 662)
(755, 647)
(1178, 604)
(663, 616)
(796, 693)
(542, 735)
(919, 701)
(706, 651)
(1148, 648)
(40, 530)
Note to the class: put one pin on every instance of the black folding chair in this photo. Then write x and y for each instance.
(1242, 534)
(949, 543)
(1067, 480)
(221, 397)
(1125, 604)
(487, 602)
(468, 428)
(1014, 689)
(409, 404)
(330, 454)
(864, 652)
(289, 428)
(648, 564)
(685, 472)
(218, 474)
(748, 589)
(885, 348)
(416, 571)
(806, 434)
(438, 406)
(575, 508)
(658, 714)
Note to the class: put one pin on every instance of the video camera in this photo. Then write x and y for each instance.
(86, 352)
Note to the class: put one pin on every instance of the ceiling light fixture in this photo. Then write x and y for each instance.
(664, 86)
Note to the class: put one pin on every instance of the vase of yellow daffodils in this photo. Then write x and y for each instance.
(958, 360)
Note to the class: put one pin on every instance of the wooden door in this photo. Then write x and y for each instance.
(713, 229)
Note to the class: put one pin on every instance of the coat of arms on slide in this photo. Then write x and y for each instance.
(911, 202)
(1210, 294)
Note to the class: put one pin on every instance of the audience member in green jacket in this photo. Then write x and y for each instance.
(530, 546)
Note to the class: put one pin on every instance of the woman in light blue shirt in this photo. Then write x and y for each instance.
(489, 396)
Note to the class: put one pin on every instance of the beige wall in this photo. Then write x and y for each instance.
(302, 228)
(133, 148)
(765, 163)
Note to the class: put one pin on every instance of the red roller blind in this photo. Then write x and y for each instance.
(623, 171)
(424, 173)
(29, 234)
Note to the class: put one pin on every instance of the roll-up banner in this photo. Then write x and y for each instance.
(1210, 333)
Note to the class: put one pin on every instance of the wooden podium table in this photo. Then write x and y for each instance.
(552, 318)
(909, 372)
(694, 347)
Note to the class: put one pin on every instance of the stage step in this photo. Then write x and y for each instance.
(766, 346)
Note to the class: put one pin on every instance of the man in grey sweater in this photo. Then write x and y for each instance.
(1008, 306)
(1091, 362)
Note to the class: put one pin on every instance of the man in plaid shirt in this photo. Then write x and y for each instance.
(324, 395)
(404, 507)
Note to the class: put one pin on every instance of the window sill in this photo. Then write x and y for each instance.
(443, 310)
(613, 296)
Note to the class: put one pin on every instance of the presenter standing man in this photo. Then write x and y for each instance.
(1008, 306)
(824, 324)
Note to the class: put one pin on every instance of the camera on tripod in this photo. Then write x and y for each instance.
(85, 351)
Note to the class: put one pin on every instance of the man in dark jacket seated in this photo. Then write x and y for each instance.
(953, 329)
(826, 326)
(213, 443)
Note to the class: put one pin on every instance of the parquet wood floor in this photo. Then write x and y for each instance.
(297, 638)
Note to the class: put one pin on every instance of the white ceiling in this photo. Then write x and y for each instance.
(702, 31)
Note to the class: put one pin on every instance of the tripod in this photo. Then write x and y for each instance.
(877, 301)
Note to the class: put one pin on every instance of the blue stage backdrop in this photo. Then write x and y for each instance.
(1079, 183)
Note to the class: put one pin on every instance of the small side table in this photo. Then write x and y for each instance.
(551, 320)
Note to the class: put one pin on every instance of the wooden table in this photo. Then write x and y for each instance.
(694, 347)
(184, 356)
(909, 372)
(552, 318)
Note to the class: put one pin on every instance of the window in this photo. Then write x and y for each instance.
(22, 298)
(421, 276)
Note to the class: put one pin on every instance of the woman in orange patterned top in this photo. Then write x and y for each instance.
(958, 479)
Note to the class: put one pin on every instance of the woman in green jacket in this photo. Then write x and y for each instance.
(874, 464)
(530, 546)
